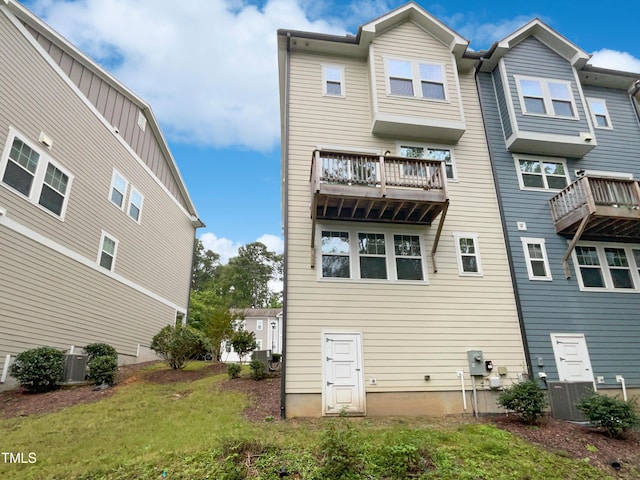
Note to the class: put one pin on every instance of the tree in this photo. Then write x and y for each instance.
(243, 343)
(209, 314)
(179, 344)
(205, 266)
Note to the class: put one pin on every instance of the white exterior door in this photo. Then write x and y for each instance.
(572, 357)
(343, 387)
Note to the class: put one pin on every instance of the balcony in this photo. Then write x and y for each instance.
(372, 188)
(597, 208)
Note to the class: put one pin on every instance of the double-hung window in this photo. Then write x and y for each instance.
(32, 174)
(612, 267)
(468, 254)
(542, 96)
(444, 155)
(333, 80)
(363, 254)
(108, 249)
(541, 173)
(536, 259)
(412, 78)
(259, 324)
(599, 113)
(118, 189)
(125, 196)
(135, 204)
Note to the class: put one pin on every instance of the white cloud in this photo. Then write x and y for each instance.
(272, 242)
(615, 60)
(227, 248)
(208, 68)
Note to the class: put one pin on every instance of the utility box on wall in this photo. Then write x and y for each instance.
(476, 362)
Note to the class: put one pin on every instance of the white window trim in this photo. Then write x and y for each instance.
(112, 187)
(416, 79)
(591, 100)
(525, 247)
(101, 250)
(517, 159)
(546, 97)
(456, 237)
(130, 202)
(433, 146)
(325, 93)
(38, 176)
(259, 324)
(354, 255)
(606, 274)
(258, 344)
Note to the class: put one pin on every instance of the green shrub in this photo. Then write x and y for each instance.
(341, 451)
(39, 369)
(103, 369)
(94, 350)
(243, 343)
(616, 416)
(258, 369)
(275, 357)
(179, 344)
(526, 399)
(402, 460)
(233, 370)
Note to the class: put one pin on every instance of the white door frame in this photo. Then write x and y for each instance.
(556, 354)
(359, 370)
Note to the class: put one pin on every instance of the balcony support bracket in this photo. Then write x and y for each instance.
(572, 245)
(436, 240)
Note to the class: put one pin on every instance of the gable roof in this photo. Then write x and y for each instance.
(31, 21)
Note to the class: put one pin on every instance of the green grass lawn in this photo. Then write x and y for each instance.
(195, 430)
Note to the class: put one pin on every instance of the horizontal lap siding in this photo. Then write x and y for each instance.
(408, 330)
(155, 254)
(524, 59)
(610, 321)
(408, 41)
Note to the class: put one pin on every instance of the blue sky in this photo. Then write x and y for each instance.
(208, 68)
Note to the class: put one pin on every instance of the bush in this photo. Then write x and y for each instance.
(179, 344)
(611, 413)
(275, 357)
(103, 369)
(341, 451)
(233, 370)
(39, 369)
(243, 342)
(258, 369)
(94, 350)
(526, 399)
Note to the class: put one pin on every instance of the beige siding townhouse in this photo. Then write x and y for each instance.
(398, 298)
(96, 225)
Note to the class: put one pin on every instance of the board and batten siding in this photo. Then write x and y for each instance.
(525, 59)
(407, 330)
(610, 321)
(415, 44)
(155, 253)
(117, 109)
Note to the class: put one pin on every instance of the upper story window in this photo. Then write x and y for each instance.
(372, 255)
(34, 175)
(125, 196)
(135, 204)
(610, 267)
(468, 254)
(118, 189)
(333, 80)
(107, 254)
(535, 255)
(416, 79)
(599, 113)
(541, 173)
(541, 96)
(259, 324)
(431, 153)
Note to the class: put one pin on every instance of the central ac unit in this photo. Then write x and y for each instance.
(563, 397)
(75, 366)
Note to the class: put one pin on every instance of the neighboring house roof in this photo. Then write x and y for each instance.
(33, 23)
(257, 312)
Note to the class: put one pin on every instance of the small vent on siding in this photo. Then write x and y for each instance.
(142, 121)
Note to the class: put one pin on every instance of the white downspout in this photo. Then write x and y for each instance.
(5, 369)
(620, 380)
(460, 373)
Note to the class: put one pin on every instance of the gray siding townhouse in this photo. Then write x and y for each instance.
(397, 280)
(96, 225)
(265, 323)
(564, 140)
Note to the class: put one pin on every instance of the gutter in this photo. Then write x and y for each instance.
(503, 221)
(285, 227)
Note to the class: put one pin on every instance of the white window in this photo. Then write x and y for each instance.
(31, 173)
(541, 173)
(259, 324)
(135, 204)
(599, 113)
(259, 344)
(541, 96)
(118, 189)
(536, 259)
(371, 255)
(430, 153)
(108, 249)
(333, 80)
(609, 266)
(468, 254)
(416, 79)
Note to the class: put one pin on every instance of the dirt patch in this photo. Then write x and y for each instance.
(264, 396)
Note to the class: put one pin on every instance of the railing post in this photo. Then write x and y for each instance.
(591, 204)
(636, 192)
(316, 168)
(383, 176)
